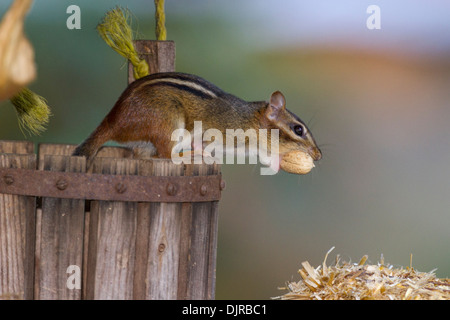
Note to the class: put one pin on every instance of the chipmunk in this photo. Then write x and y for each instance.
(152, 107)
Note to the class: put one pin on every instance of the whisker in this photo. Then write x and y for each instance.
(310, 123)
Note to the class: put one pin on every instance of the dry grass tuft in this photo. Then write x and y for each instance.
(358, 281)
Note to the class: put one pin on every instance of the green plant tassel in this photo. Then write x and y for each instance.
(117, 33)
(32, 111)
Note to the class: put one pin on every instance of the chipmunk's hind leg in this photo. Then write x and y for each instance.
(89, 147)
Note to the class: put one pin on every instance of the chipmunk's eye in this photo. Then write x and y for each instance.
(298, 129)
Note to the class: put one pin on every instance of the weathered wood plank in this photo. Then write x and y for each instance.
(61, 235)
(200, 243)
(17, 239)
(67, 150)
(53, 149)
(158, 240)
(112, 239)
(16, 147)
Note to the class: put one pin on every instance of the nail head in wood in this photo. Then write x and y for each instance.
(61, 184)
(121, 188)
(203, 189)
(171, 189)
(9, 179)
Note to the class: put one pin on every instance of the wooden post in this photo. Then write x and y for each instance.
(160, 56)
(17, 223)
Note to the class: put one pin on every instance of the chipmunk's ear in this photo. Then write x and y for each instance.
(276, 105)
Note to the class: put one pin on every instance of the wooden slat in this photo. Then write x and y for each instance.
(61, 235)
(158, 242)
(112, 239)
(16, 147)
(17, 239)
(53, 149)
(199, 244)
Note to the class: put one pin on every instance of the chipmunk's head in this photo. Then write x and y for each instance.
(293, 133)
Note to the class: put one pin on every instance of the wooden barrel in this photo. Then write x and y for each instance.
(127, 229)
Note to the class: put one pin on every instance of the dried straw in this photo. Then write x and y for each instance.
(358, 281)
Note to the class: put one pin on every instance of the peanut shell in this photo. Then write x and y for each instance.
(297, 162)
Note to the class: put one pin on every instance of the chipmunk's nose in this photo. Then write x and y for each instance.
(315, 153)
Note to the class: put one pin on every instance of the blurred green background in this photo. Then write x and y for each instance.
(377, 102)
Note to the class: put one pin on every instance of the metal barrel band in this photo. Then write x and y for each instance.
(104, 187)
